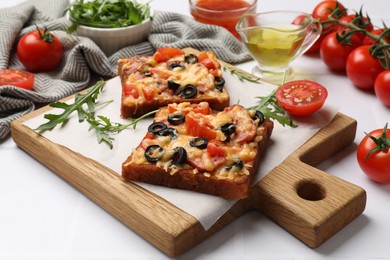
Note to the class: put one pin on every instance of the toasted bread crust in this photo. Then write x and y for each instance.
(236, 188)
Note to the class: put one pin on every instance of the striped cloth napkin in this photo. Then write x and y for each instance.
(82, 58)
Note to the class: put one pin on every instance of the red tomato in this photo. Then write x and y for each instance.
(335, 53)
(362, 68)
(214, 149)
(301, 97)
(245, 128)
(361, 22)
(149, 92)
(327, 7)
(130, 90)
(315, 48)
(203, 58)
(198, 125)
(370, 41)
(166, 53)
(18, 78)
(382, 87)
(375, 163)
(39, 51)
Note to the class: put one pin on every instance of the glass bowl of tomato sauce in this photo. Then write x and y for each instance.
(225, 13)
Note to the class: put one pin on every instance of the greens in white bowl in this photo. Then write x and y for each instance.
(107, 13)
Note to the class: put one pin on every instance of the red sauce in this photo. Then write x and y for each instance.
(231, 12)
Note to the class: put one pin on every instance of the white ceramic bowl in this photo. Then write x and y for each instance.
(111, 40)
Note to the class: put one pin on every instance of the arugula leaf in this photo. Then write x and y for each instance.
(270, 108)
(85, 105)
(88, 98)
(240, 75)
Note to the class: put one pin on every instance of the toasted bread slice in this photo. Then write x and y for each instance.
(192, 147)
(170, 76)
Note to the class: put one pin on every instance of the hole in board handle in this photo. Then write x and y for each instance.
(310, 190)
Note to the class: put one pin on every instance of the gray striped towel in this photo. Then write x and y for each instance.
(82, 59)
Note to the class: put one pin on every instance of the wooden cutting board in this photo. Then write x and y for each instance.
(310, 204)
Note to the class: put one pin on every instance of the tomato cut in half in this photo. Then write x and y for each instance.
(301, 97)
(17, 78)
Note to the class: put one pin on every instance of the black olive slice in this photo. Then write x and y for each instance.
(157, 127)
(237, 163)
(228, 128)
(260, 116)
(169, 132)
(219, 83)
(176, 119)
(153, 153)
(174, 65)
(173, 85)
(189, 91)
(191, 58)
(199, 142)
(179, 156)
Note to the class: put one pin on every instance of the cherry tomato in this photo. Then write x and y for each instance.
(362, 68)
(335, 53)
(382, 87)
(361, 22)
(301, 97)
(327, 7)
(374, 156)
(39, 50)
(370, 41)
(18, 78)
(166, 53)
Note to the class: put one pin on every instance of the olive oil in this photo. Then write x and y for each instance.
(274, 47)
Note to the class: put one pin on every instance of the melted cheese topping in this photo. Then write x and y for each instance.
(200, 159)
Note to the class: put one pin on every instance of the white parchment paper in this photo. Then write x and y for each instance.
(207, 209)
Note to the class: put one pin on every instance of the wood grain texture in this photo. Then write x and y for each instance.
(312, 205)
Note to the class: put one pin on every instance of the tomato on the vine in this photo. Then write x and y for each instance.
(326, 8)
(363, 68)
(382, 87)
(301, 97)
(360, 21)
(370, 41)
(18, 78)
(373, 155)
(334, 52)
(39, 50)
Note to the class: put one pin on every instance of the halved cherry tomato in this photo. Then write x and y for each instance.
(198, 125)
(301, 97)
(18, 78)
(166, 53)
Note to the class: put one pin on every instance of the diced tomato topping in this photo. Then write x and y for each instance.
(130, 90)
(149, 92)
(198, 125)
(214, 148)
(166, 53)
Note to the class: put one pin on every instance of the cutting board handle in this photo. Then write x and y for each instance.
(307, 202)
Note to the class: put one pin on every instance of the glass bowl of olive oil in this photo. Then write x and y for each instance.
(275, 39)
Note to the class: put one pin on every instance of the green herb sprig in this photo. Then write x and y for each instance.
(107, 14)
(268, 105)
(85, 104)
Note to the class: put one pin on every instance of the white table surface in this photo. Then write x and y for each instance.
(43, 217)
